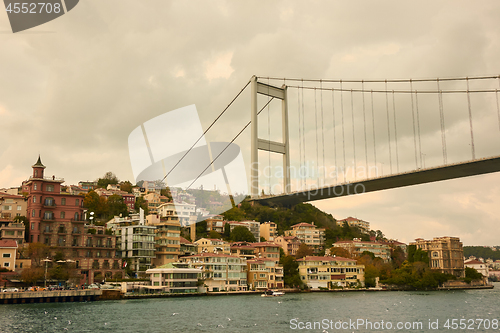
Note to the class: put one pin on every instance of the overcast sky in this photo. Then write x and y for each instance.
(73, 89)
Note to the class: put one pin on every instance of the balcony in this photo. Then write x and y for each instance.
(47, 231)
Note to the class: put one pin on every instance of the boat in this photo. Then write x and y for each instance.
(271, 293)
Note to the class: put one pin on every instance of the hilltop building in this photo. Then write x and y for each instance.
(268, 230)
(12, 205)
(364, 226)
(356, 247)
(308, 234)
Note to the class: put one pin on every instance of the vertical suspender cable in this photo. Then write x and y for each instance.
(441, 116)
(353, 135)
(316, 120)
(335, 136)
(364, 126)
(498, 106)
(418, 128)
(413, 118)
(303, 129)
(322, 131)
(395, 130)
(373, 124)
(269, 135)
(470, 122)
(343, 131)
(300, 136)
(388, 126)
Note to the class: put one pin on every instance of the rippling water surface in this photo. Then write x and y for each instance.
(252, 313)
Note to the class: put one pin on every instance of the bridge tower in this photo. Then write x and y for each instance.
(266, 145)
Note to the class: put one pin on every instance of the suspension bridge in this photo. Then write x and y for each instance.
(331, 137)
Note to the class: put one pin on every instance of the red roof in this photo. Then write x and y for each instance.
(8, 243)
(473, 262)
(263, 244)
(10, 196)
(208, 254)
(184, 241)
(303, 224)
(315, 258)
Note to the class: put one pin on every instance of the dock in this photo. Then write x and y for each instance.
(55, 296)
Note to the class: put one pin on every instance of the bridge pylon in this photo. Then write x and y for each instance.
(267, 145)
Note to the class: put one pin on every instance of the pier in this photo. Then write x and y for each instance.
(50, 296)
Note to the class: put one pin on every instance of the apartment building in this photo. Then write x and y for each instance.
(174, 278)
(211, 245)
(220, 272)
(8, 252)
(167, 239)
(268, 230)
(12, 230)
(135, 240)
(264, 274)
(354, 222)
(215, 223)
(445, 254)
(183, 212)
(356, 247)
(289, 244)
(253, 226)
(329, 272)
(309, 234)
(12, 205)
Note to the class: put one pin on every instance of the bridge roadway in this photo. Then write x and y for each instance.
(421, 176)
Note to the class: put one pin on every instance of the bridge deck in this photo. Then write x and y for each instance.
(422, 176)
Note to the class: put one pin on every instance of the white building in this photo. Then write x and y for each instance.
(182, 211)
(135, 240)
(479, 266)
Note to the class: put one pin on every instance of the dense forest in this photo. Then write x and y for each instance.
(482, 252)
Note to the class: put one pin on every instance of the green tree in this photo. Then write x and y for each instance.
(116, 206)
(94, 203)
(214, 235)
(24, 219)
(340, 252)
(140, 202)
(242, 234)
(303, 251)
(227, 231)
(472, 274)
(109, 178)
(126, 186)
(30, 276)
(291, 272)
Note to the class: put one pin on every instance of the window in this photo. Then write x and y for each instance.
(7, 207)
(48, 216)
(63, 215)
(19, 207)
(63, 201)
(6, 264)
(6, 255)
(35, 186)
(77, 202)
(49, 188)
(34, 198)
(32, 225)
(49, 202)
(76, 216)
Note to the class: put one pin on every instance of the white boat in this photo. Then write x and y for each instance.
(271, 293)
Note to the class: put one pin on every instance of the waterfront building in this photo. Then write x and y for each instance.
(308, 234)
(167, 239)
(12, 230)
(264, 274)
(211, 245)
(12, 205)
(8, 254)
(364, 226)
(356, 247)
(174, 278)
(135, 241)
(56, 219)
(289, 244)
(220, 272)
(268, 230)
(183, 212)
(329, 272)
(445, 254)
(479, 266)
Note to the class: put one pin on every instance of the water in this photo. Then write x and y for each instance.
(252, 313)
